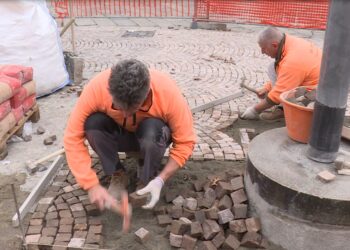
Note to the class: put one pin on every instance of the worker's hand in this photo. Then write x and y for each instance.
(100, 196)
(262, 92)
(154, 187)
(250, 114)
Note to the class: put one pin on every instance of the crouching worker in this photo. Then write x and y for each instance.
(125, 109)
(297, 63)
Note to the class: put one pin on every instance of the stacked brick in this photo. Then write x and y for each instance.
(17, 95)
(212, 216)
(64, 217)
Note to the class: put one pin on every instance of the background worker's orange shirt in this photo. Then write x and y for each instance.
(299, 66)
(167, 104)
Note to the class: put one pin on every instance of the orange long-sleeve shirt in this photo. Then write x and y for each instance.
(167, 103)
(299, 66)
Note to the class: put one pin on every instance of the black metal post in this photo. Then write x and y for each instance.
(332, 91)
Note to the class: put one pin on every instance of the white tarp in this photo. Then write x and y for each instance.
(29, 37)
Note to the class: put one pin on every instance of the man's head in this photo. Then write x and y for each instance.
(129, 85)
(269, 40)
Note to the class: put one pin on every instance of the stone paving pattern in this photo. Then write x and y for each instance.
(64, 216)
(207, 65)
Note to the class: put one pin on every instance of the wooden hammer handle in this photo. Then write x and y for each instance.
(249, 88)
(45, 158)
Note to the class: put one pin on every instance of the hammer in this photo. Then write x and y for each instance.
(243, 85)
(32, 166)
(124, 209)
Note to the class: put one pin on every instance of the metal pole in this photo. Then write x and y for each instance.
(72, 27)
(332, 91)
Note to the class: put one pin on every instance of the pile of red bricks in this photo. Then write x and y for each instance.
(17, 95)
(65, 217)
(211, 216)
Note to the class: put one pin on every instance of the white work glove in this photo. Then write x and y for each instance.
(250, 114)
(154, 187)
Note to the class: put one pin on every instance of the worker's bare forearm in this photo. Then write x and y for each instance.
(170, 168)
(262, 105)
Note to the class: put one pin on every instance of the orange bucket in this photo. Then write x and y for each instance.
(298, 118)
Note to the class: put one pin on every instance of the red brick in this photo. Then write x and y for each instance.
(251, 240)
(225, 216)
(52, 223)
(80, 234)
(240, 211)
(63, 237)
(175, 240)
(65, 229)
(225, 203)
(51, 216)
(78, 214)
(200, 216)
(80, 227)
(179, 227)
(32, 238)
(94, 239)
(196, 229)
(239, 196)
(46, 240)
(219, 239)
(189, 214)
(176, 212)
(76, 243)
(212, 213)
(66, 221)
(65, 214)
(72, 200)
(77, 207)
(95, 229)
(142, 235)
(231, 242)
(36, 222)
(62, 206)
(92, 221)
(188, 243)
(253, 224)
(164, 220)
(34, 229)
(210, 229)
(238, 226)
(191, 204)
(138, 200)
(237, 183)
(49, 231)
(222, 189)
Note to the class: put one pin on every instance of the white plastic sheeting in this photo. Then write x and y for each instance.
(29, 37)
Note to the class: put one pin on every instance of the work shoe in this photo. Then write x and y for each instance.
(274, 115)
(119, 182)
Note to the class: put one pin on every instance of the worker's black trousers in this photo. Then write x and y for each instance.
(106, 137)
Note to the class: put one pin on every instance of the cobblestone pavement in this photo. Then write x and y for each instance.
(206, 64)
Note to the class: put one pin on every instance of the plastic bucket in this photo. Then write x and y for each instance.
(298, 118)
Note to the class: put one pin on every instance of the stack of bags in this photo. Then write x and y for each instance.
(17, 95)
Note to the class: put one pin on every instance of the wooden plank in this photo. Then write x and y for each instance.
(33, 196)
(216, 102)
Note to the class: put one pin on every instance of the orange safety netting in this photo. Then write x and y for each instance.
(289, 13)
(129, 8)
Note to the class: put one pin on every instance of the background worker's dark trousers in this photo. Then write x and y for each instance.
(106, 137)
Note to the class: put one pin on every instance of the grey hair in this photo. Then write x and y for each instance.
(270, 34)
(129, 83)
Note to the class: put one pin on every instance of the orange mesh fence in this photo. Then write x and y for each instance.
(289, 13)
(129, 8)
